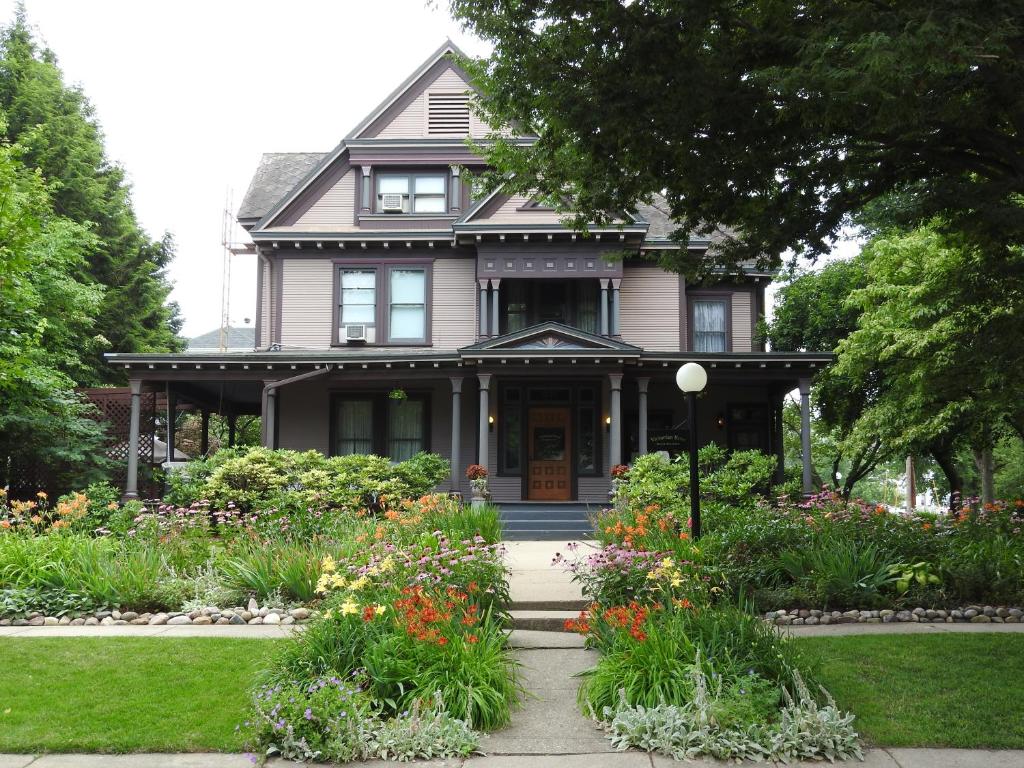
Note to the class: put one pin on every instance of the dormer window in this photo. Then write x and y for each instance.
(412, 193)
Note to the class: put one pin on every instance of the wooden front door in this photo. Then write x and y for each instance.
(550, 455)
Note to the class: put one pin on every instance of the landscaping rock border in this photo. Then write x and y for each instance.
(977, 614)
(211, 615)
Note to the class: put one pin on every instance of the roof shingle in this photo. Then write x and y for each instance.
(276, 175)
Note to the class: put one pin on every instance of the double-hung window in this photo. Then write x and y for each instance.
(709, 325)
(407, 318)
(412, 193)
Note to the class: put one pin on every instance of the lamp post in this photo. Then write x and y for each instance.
(691, 378)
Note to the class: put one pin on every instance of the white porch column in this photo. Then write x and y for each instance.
(485, 411)
(456, 430)
(604, 307)
(641, 385)
(483, 309)
(172, 417)
(268, 414)
(615, 433)
(495, 306)
(131, 485)
(805, 434)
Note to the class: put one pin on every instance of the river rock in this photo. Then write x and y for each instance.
(179, 620)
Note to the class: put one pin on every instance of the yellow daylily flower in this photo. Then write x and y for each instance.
(327, 565)
(349, 607)
(359, 583)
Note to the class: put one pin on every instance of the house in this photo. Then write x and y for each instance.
(398, 311)
(233, 338)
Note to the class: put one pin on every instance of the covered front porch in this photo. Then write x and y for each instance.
(548, 410)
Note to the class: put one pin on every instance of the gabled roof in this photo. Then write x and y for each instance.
(448, 48)
(550, 340)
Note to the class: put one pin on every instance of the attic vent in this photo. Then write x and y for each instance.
(448, 114)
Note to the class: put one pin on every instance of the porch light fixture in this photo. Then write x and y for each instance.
(607, 422)
(490, 423)
(691, 378)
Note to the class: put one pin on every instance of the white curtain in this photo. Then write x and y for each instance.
(405, 429)
(354, 427)
(709, 334)
(408, 304)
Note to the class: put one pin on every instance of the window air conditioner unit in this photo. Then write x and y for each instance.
(355, 333)
(391, 202)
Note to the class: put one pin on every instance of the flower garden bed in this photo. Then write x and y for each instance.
(403, 592)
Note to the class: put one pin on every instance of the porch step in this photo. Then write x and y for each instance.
(542, 621)
(545, 521)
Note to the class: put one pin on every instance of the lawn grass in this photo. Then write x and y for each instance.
(941, 690)
(124, 694)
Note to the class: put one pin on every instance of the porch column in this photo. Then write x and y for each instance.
(204, 442)
(615, 434)
(641, 385)
(616, 284)
(485, 411)
(232, 424)
(495, 305)
(604, 307)
(456, 430)
(483, 309)
(805, 433)
(268, 413)
(778, 401)
(172, 414)
(131, 485)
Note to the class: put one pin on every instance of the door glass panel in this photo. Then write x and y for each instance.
(513, 435)
(586, 442)
(549, 443)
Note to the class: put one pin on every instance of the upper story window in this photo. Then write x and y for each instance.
(709, 325)
(412, 193)
(408, 316)
(383, 303)
(570, 302)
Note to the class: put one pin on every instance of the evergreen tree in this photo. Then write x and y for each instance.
(57, 131)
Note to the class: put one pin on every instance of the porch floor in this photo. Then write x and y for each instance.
(547, 521)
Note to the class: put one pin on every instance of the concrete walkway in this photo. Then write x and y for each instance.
(535, 584)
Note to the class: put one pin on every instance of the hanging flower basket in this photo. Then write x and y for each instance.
(398, 394)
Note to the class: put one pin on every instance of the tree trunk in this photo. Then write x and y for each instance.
(986, 469)
(956, 483)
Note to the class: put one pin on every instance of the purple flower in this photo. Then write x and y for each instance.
(308, 714)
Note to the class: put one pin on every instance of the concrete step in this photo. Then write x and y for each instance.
(541, 534)
(543, 621)
(573, 606)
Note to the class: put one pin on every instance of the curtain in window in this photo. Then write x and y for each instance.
(586, 306)
(358, 296)
(408, 304)
(405, 429)
(354, 427)
(709, 332)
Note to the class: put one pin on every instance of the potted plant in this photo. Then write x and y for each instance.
(477, 475)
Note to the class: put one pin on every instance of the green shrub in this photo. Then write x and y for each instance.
(841, 573)
(18, 602)
(288, 570)
(658, 669)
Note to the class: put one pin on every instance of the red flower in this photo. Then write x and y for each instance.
(476, 471)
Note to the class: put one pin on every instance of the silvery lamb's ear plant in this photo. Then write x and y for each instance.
(805, 729)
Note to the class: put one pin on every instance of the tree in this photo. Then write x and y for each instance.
(940, 331)
(813, 312)
(46, 323)
(57, 132)
(777, 119)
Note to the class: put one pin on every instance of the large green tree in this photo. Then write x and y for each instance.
(47, 318)
(57, 132)
(775, 118)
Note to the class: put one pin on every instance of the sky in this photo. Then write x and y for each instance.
(189, 95)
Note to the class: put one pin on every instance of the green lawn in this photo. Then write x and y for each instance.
(125, 694)
(941, 690)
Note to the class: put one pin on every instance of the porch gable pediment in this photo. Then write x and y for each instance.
(550, 337)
